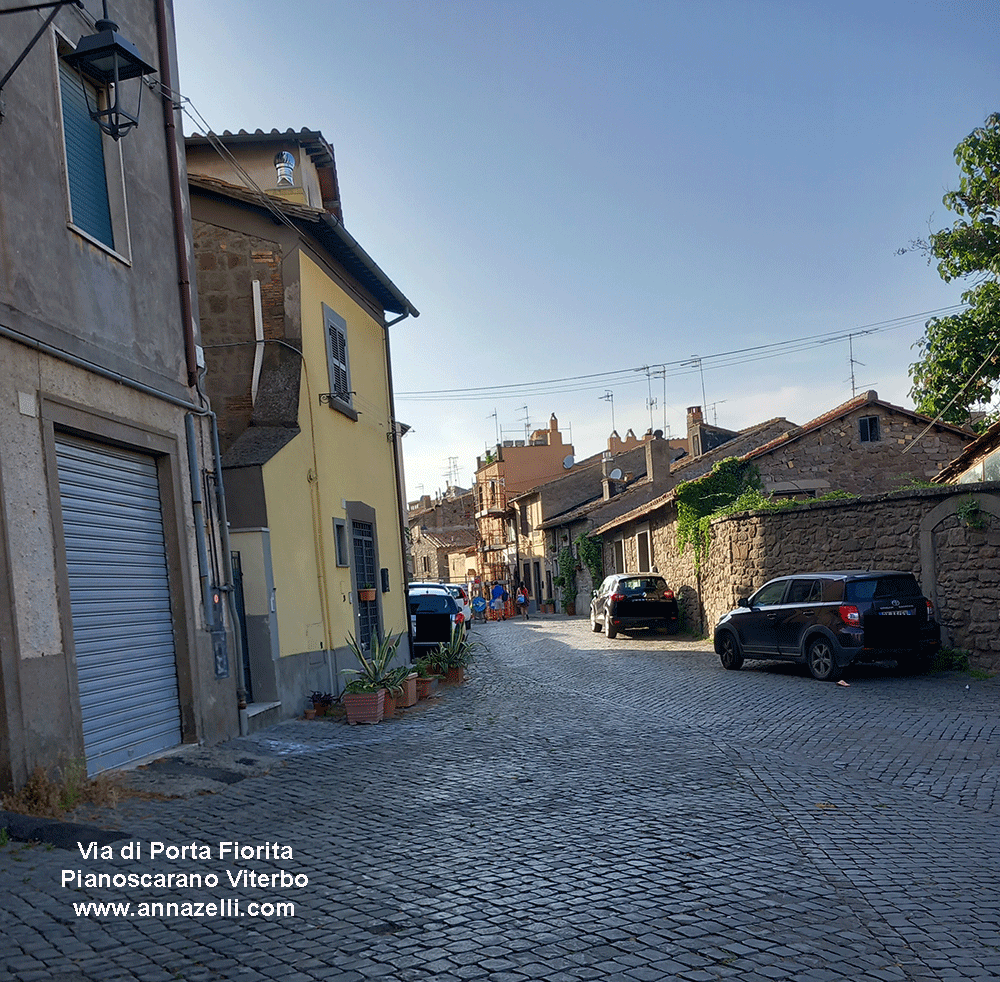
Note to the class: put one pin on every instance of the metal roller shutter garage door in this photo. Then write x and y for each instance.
(120, 602)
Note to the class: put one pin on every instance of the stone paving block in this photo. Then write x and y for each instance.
(555, 857)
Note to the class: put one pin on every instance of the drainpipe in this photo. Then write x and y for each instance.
(194, 410)
(176, 197)
(199, 514)
(190, 347)
(400, 490)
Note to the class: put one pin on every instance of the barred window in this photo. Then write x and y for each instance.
(870, 430)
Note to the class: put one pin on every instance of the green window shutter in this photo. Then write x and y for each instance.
(88, 182)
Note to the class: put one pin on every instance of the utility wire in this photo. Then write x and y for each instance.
(672, 369)
(937, 419)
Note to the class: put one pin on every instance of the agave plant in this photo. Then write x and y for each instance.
(395, 678)
(456, 652)
(374, 671)
(427, 667)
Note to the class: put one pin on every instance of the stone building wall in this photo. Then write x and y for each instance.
(227, 263)
(430, 562)
(834, 456)
(949, 538)
(454, 509)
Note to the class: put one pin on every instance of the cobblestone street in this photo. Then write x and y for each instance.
(579, 809)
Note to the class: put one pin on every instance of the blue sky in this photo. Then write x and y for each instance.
(571, 188)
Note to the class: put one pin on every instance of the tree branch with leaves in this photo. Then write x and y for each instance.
(959, 365)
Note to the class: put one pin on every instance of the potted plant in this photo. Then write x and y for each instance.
(366, 592)
(362, 702)
(322, 702)
(427, 676)
(394, 684)
(454, 655)
(409, 687)
(566, 580)
(372, 674)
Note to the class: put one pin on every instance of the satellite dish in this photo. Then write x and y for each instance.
(568, 461)
(616, 474)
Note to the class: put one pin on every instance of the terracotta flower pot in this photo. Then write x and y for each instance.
(366, 595)
(425, 687)
(455, 676)
(409, 696)
(364, 707)
(389, 711)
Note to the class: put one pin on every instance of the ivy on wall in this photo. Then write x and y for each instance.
(566, 580)
(700, 499)
(733, 486)
(591, 553)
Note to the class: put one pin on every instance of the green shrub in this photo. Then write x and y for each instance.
(951, 660)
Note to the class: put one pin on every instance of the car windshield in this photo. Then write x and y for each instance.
(642, 584)
(431, 603)
(883, 588)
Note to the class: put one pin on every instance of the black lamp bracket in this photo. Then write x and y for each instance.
(56, 6)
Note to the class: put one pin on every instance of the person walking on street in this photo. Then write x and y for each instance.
(496, 601)
(522, 600)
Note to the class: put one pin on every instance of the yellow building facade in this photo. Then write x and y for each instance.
(298, 367)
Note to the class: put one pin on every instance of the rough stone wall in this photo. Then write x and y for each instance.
(449, 511)
(834, 458)
(954, 555)
(437, 561)
(227, 262)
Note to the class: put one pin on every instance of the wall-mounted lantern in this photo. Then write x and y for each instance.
(108, 60)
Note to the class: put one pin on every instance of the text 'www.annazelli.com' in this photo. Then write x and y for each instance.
(225, 907)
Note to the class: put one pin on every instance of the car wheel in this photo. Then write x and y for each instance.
(729, 652)
(610, 631)
(820, 660)
(594, 625)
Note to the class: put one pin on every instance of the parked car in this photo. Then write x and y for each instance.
(460, 594)
(434, 616)
(626, 601)
(829, 621)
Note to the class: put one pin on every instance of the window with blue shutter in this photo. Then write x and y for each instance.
(335, 328)
(88, 182)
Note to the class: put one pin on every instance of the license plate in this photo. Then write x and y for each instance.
(896, 613)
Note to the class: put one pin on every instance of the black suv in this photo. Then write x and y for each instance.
(625, 601)
(831, 620)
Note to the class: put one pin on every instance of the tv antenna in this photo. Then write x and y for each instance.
(853, 361)
(524, 409)
(663, 374)
(695, 362)
(715, 412)
(650, 401)
(609, 396)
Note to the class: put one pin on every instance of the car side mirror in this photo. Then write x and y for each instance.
(743, 602)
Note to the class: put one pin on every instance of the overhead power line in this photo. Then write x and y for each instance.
(672, 369)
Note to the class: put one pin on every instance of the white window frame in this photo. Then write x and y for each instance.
(643, 535)
(340, 542)
(619, 551)
(114, 170)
